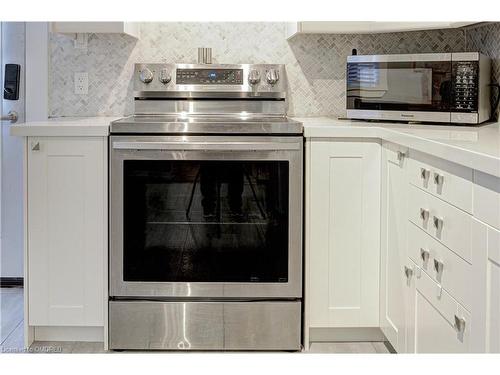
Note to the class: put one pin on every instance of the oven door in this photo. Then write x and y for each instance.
(400, 87)
(216, 217)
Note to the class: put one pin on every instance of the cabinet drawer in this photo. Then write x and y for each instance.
(444, 222)
(448, 181)
(441, 264)
(442, 325)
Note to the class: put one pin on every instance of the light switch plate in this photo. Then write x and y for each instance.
(81, 83)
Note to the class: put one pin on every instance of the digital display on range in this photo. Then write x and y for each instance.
(209, 76)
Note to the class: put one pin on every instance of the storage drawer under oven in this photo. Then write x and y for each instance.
(150, 325)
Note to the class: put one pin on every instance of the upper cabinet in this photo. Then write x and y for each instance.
(364, 27)
(128, 28)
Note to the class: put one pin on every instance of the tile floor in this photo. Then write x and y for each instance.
(12, 334)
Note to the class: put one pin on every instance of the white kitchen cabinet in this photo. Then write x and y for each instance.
(127, 28)
(365, 27)
(393, 257)
(486, 193)
(66, 234)
(493, 291)
(342, 233)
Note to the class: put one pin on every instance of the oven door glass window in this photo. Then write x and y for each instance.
(399, 86)
(205, 221)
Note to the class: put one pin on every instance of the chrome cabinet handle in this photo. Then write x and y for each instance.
(424, 173)
(35, 146)
(438, 266)
(424, 214)
(460, 324)
(438, 178)
(438, 222)
(12, 116)
(424, 254)
(401, 155)
(408, 272)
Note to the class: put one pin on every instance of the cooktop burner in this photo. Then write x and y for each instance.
(214, 124)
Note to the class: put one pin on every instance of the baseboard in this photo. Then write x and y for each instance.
(55, 333)
(345, 334)
(11, 282)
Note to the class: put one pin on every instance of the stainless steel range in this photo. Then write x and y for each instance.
(206, 211)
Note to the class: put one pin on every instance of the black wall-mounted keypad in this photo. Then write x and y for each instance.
(11, 81)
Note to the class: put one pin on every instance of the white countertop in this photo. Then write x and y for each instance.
(477, 147)
(64, 127)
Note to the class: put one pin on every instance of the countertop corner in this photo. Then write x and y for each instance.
(64, 127)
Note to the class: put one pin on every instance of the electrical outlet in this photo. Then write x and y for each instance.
(81, 83)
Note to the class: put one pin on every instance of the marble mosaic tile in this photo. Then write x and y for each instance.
(486, 39)
(315, 63)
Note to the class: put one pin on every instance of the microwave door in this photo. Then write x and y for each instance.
(399, 86)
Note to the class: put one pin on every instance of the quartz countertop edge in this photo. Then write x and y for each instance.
(64, 127)
(476, 147)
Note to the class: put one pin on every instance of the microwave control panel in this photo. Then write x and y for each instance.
(465, 86)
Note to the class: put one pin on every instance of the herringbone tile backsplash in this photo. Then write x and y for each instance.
(315, 63)
(486, 39)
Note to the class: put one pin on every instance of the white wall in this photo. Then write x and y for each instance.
(11, 257)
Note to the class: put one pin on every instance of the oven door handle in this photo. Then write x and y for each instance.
(207, 146)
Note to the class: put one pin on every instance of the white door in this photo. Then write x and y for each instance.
(393, 245)
(12, 51)
(344, 234)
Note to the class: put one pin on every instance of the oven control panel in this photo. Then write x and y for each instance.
(162, 80)
(209, 76)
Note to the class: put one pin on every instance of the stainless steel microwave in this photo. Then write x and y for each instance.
(428, 87)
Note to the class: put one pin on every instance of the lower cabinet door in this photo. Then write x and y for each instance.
(67, 226)
(393, 280)
(343, 234)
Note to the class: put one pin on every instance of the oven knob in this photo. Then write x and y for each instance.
(146, 75)
(253, 77)
(272, 76)
(165, 76)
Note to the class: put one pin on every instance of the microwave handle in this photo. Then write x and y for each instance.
(207, 146)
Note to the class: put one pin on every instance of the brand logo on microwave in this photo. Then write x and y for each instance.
(406, 115)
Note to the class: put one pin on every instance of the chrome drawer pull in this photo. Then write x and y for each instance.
(35, 146)
(424, 254)
(408, 272)
(438, 266)
(401, 155)
(460, 324)
(438, 222)
(424, 214)
(438, 178)
(424, 173)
